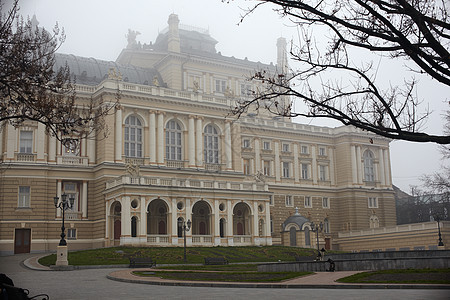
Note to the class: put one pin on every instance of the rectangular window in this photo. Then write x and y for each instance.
(285, 148)
(246, 143)
(304, 149)
(289, 201)
(325, 202)
(305, 171)
(322, 151)
(24, 196)
(373, 202)
(221, 85)
(271, 199)
(286, 169)
(246, 89)
(266, 166)
(322, 173)
(71, 189)
(26, 141)
(308, 202)
(246, 166)
(266, 145)
(71, 234)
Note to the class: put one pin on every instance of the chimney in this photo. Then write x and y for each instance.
(282, 63)
(173, 42)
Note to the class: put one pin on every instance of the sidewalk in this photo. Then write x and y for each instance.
(319, 280)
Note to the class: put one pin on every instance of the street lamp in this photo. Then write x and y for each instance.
(317, 228)
(185, 227)
(439, 233)
(63, 205)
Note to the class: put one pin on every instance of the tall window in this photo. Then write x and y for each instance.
(304, 171)
(286, 169)
(246, 143)
(322, 151)
(173, 140)
(266, 145)
(289, 201)
(368, 166)
(246, 166)
(221, 85)
(71, 189)
(133, 137)
(325, 202)
(285, 147)
(322, 173)
(246, 89)
(372, 202)
(211, 145)
(72, 148)
(26, 141)
(24, 196)
(326, 226)
(308, 202)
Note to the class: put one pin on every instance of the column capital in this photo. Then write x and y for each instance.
(152, 111)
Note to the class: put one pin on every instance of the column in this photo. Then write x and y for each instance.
(199, 142)
(91, 147)
(277, 162)
(387, 167)
(152, 137)
(353, 164)
(191, 141)
(296, 165)
(216, 219)
(314, 164)
(331, 170)
(174, 222)
(125, 220)
(143, 223)
(107, 221)
(187, 217)
(255, 232)
(228, 159)
(58, 194)
(51, 148)
(160, 137)
(257, 155)
(229, 224)
(11, 141)
(118, 135)
(84, 199)
(358, 164)
(40, 141)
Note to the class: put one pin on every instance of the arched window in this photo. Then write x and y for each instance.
(368, 166)
(173, 140)
(211, 145)
(133, 137)
(326, 226)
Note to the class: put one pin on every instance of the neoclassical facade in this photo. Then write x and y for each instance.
(175, 153)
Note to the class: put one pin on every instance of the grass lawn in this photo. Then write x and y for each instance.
(418, 276)
(174, 255)
(224, 276)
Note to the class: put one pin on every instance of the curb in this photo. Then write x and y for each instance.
(279, 285)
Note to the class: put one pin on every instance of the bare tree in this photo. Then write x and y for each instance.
(30, 88)
(332, 81)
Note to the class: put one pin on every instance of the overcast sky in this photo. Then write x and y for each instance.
(97, 28)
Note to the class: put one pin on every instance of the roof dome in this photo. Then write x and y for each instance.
(295, 219)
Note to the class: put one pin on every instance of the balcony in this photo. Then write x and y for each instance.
(72, 160)
(28, 157)
(176, 164)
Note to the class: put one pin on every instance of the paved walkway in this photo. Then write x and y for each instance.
(316, 280)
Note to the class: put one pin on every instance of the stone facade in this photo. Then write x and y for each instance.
(173, 153)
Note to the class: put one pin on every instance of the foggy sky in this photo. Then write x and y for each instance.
(98, 28)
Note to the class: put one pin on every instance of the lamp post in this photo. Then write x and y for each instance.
(63, 205)
(186, 226)
(439, 233)
(317, 228)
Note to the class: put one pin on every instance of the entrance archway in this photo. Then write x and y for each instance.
(157, 217)
(201, 218)
(241, 219)
(116, 215)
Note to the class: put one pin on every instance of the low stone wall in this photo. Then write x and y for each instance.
(367, 261)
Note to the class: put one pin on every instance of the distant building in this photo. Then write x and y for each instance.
(174, 153)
